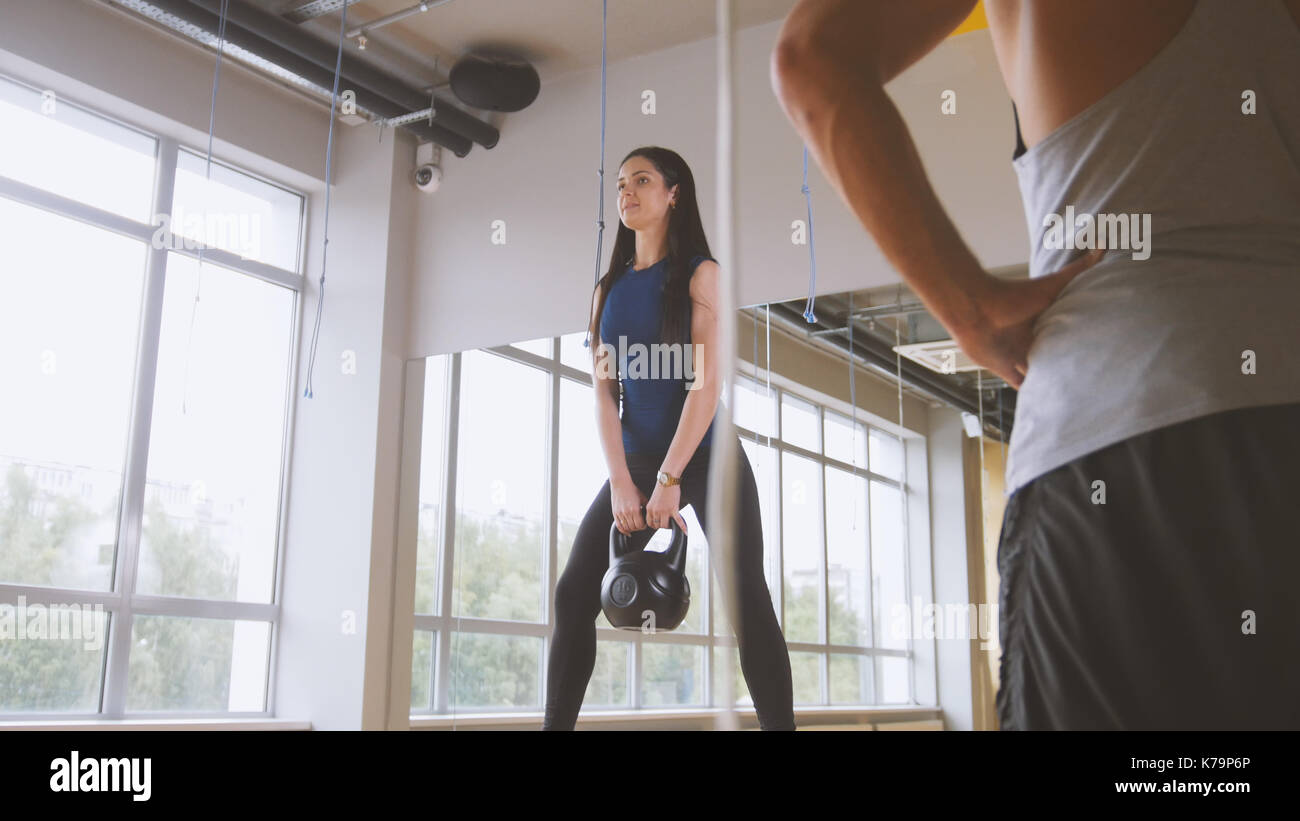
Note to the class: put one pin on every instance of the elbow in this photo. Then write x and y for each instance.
(606, 399)
(793, 70)
(707, 387)
(808, 77)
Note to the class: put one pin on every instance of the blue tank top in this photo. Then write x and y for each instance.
(655, 390)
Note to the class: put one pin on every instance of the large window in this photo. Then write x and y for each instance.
(143, 432)
(509, 447)
(844, 573)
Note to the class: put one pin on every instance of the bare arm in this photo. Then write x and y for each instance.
(831, 63)
(702, 400)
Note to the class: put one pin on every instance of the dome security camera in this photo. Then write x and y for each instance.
(428, 177)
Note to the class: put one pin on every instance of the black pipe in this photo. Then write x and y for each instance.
(917, 377)
(357, 72)
(272, 53)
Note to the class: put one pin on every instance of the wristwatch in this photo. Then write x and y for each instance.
(668, 480)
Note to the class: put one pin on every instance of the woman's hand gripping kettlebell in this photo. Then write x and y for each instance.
(627, 502)
(663, 507)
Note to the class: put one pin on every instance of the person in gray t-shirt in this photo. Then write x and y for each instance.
(1147, 542)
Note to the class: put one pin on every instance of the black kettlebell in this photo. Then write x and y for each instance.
(646, 590)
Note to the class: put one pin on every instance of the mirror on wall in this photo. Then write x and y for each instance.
(506, 443)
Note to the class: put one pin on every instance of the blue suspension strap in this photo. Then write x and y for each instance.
(329, 157)
(812, 251)
(207, 174)
(600, 208)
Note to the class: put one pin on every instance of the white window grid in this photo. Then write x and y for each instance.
(442, 624)
(121, 604)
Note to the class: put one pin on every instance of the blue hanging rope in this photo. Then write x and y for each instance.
(329, 157)
(812, 251)
(207, 174)
(600, 212)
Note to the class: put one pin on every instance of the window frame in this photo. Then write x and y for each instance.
(440, 626)
(121, 603)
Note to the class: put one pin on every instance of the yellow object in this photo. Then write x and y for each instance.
(975, 21)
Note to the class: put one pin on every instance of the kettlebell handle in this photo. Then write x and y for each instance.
(676, 552)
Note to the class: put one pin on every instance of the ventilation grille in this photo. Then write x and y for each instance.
(941, 356)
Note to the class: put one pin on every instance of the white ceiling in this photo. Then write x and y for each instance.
(556, 36)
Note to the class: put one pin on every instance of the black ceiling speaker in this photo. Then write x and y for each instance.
(494, 83)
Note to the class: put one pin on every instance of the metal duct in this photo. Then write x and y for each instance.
(880, 356)
(271, 53)
(358, 73)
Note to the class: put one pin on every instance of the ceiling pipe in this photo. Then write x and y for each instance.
(881, 357)
(309, 71)
(394, 17)
(357, 72)
(315, 8)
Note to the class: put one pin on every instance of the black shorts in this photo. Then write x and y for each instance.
(1174, 605)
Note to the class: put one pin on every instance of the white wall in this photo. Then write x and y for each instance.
(344, 462)
(387, 609)
(951, 584)
(164, 84)
(542, 181)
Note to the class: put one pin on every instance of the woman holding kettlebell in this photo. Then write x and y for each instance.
(661, 288)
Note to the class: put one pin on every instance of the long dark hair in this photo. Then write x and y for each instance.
(685, 241)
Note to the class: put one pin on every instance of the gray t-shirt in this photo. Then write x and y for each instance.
(1192, 167)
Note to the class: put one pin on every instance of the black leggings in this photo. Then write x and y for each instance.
(764, 659)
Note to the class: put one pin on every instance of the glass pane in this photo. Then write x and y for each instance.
(501, 489)
(886, 454)
(888, 580)
(494, 671)
(851, 679)
(212, 496)
(755, 406)
(800, 424)
(573, 354)
(894, 687)
(846, 557)
(53, 144)
(51, 656)
(540, 346)
(191, 664)
(806, 673)
(845, 439)
(671, 674)
(608, 684)
(235, 212)
(69, 316)
(583, 472)
(801, 520)
(740, 696)
(432, 488)
(422, 670)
